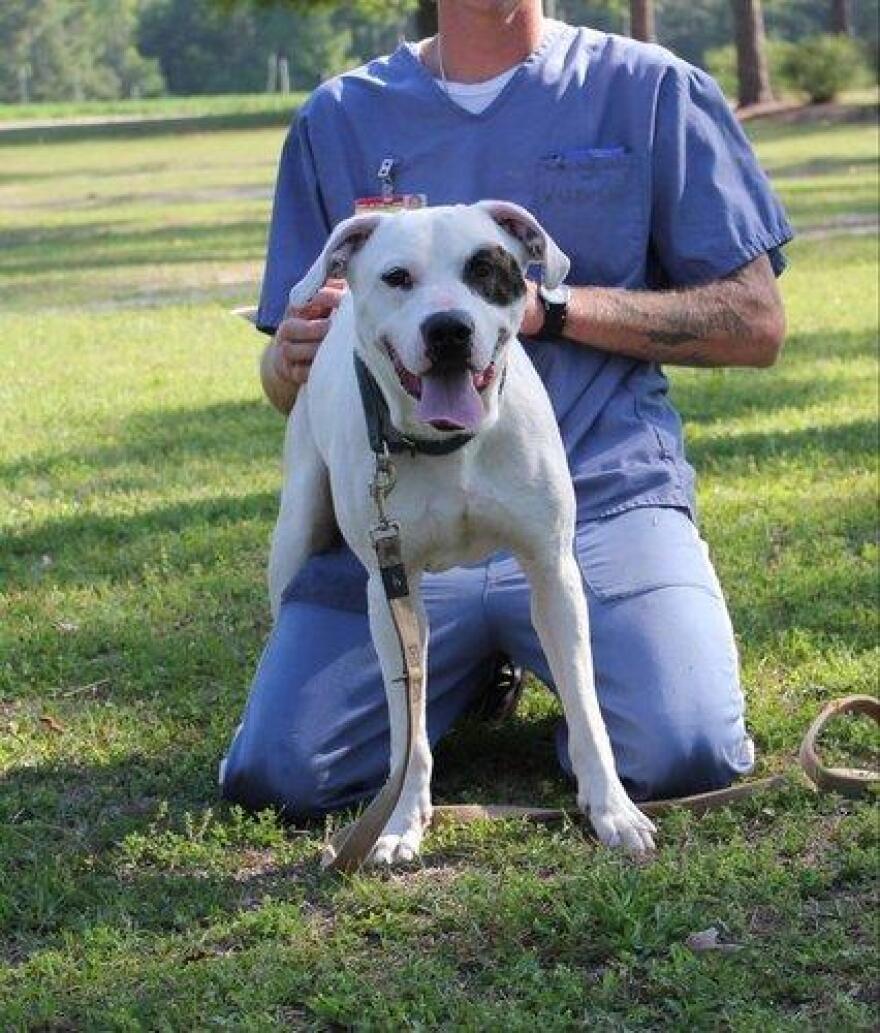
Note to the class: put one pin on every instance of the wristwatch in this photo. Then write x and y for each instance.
(555, 305)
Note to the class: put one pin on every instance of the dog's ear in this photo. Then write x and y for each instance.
(350, 235)
(539, 246)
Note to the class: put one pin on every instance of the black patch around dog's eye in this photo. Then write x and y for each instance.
(495, 275)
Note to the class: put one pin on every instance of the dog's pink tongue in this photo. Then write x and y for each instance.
(450, 399)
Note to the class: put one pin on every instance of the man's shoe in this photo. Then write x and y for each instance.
(501, 693)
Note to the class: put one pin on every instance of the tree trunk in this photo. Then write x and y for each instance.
(426, 19)
(840, 20)
(641, 20)
(751, 55)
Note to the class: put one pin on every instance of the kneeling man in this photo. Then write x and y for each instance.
(632, 161)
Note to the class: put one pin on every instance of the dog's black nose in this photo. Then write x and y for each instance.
(448, 338)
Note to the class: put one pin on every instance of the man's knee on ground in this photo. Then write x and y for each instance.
(681, 762)
(665, 761)
(291, 782)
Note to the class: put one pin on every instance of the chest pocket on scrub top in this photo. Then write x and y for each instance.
(593, 203)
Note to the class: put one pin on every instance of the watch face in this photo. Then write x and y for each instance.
(558, 296)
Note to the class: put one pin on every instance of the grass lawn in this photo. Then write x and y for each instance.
(153, 107)
(140, 469)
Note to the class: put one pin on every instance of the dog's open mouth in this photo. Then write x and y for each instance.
(447, 401)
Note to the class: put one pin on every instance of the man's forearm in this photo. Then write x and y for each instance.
(281, 393)
(737, 321)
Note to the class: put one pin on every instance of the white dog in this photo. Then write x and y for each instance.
(435, 302)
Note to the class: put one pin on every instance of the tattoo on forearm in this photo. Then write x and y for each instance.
(670, 338)
(690, 327)
(688, 323)
(732, 321)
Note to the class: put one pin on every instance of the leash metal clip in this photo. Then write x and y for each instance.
(385, 536)
(381, 486)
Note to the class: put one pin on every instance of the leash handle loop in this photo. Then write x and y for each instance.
(853, 782)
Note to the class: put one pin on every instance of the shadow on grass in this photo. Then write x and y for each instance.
(513, 762)
(86, 548)
(90, 550)
(831, 214)
(118, 169)
(113, 244)
(224, 431)
(810, 117)
(856, 442)
(144, 127)
(716, 396)
(67, 828)
(822, 167)
(30, 176)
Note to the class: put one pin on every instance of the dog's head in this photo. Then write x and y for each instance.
(438, 295)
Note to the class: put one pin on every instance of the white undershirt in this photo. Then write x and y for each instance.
(477, 96)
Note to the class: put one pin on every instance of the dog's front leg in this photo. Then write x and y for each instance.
(402, 837)
(306, 522)
(560, 617)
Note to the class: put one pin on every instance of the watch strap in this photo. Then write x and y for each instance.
(555, 313)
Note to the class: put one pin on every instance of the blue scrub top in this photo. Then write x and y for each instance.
(629, 157)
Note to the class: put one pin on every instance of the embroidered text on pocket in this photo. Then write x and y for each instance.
(592, 201)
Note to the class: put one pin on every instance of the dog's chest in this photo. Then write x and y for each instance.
(452, 537)
(449, 526)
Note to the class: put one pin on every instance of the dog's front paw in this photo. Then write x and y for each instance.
(619, 823)
(401, 840)
(393, 849)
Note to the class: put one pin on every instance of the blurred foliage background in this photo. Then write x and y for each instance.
(74, 50)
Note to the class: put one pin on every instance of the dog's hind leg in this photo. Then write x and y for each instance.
(401, 839)
(305, 520)
(560, 617)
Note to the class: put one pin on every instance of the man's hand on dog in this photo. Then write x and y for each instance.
(301, 332)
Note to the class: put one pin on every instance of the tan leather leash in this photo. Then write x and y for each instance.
(350, 847)
(852, 782)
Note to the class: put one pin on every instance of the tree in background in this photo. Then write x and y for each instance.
(375, 12)
(69, 50)
(840, 20)
(426, 19)
(204, 47)
(641, 20)
(74, 49)
(751, 54)
(127, 72)
(823, 66)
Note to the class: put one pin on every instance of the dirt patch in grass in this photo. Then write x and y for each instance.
(436, 876)
(789, 113)
(845, 225)
(856, 908)
(245, 192)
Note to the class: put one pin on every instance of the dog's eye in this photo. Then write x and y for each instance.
(399, 278)
(480, 268)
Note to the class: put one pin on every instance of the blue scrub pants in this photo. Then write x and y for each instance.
(314, 737)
